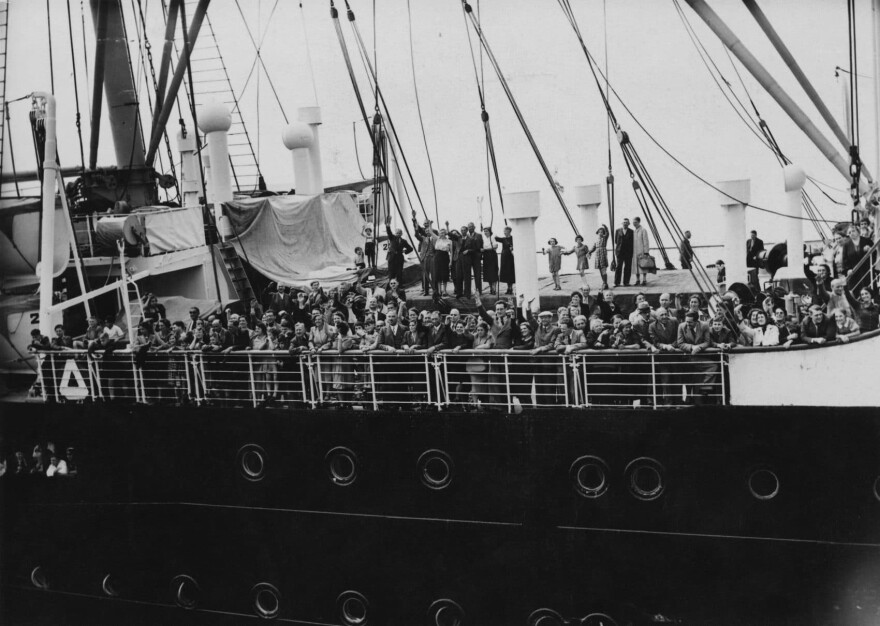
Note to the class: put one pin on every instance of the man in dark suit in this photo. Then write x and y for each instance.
(398, 247)
(623, 252)
(389, 378)
(854, 248)
(754, 247)
(472, 257)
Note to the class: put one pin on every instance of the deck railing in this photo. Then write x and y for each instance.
(500, 379)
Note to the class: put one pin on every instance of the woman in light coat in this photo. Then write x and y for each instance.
(641, 245)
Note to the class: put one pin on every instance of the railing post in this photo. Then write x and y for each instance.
(54, 377)
(507, 382)
(302, 378)
(253, 382)
(320, 377)
(437, 381)
(186, 366)
(204, 377)
(565, 381)
(586, 390)
(654, 380)
(427, 377)
(95, 370)
(446, 379)
(722, 362)
(373, 384)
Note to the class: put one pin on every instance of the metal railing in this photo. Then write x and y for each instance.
(500, 379)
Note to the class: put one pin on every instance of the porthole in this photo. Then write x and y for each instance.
(251, 461)
(353, 609)
(436, 469)
(589, 476)
(343, 466)
(446, 612)
(39, 578)
(108, 586)
(266, 600)
(186, 591)
(763, 484)
(545, 617)
(645, 477)
(597, 619)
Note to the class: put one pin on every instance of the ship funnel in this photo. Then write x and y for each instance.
(299, 138)
(588, 198)
(312, 117)
(521, 210)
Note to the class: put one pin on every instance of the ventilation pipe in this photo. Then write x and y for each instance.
(588, 198)
(299, 138)
(215, 120)
(794, 178)
(735, 194)
(47, 244)
(521, 210)
(190, 175)
(312, 117)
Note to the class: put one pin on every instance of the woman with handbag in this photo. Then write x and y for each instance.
(641, 250)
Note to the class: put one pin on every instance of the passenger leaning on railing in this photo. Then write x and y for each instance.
(846, 327)
(817, 328)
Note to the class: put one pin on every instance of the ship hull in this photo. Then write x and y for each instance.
(699, 515)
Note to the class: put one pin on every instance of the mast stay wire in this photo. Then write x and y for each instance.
(636, 167)
(259, 57)
(609, 179)
(412, 59)
(372, 76)
(526, 130)
(380, 163)
(491, 160)
(82, 156)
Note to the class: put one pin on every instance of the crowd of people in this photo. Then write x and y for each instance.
(49, 462)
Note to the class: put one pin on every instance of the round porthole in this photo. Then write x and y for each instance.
(435, 469)
(763, 484)
(39, 578)
(589, 476)
(446, 612)
(266, 600)
(186, 591)
(545, 617)
(597, 619)
(108, 586)
(343, 466)
(645, 477)
(353, 609)
(251, 460)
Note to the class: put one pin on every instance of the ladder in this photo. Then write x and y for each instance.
(4, 30)
(131, 301)
(211, 82)
(237, 273)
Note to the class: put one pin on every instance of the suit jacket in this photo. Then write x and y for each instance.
(852, 254)
(437, 337)
(387, 337)
(427, 239)
(688, 338)
(473, 245)
(397, 246)
(623, 242)
(753, 248)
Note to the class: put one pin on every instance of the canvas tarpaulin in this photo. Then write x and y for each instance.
(295, 239)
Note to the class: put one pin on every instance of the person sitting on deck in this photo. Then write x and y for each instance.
(61, 340)
(817, 329)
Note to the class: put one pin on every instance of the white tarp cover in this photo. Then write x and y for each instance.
(174, 229)
(295, 239)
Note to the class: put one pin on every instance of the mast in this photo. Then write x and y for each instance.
(721, 30)
(875, 13)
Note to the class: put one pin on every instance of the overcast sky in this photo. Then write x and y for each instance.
(653, 65)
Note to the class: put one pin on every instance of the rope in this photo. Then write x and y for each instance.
(308, 52)
(82, 155)
(855, 167)
(51, 56)
(412, 59)
(477, 28)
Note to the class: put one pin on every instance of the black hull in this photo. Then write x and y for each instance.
(161, 493)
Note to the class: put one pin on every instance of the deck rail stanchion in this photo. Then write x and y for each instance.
(254, 400)
(653, 381)
(507, 383)
(374, 390)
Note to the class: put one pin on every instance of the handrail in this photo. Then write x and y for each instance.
(869, 257)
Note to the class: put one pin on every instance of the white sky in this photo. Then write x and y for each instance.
(652, 62)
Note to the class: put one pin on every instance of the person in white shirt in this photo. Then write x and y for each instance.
(110, 337)
(57, 466)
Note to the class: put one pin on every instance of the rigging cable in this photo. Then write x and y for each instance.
(479, 31)
(373, 77)
(379, 163)
(609, 180)
(259, 56)
(492, 165)
(82, 156)
(412, 59)
(855, 167)
(51, 56)
(7, 136)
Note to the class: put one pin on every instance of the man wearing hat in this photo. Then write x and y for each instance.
(427, 238)
(644, 319)
(398, 248)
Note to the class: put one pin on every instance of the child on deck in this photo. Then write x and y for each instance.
(582, 252)
(555, 252)
(359, 258)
